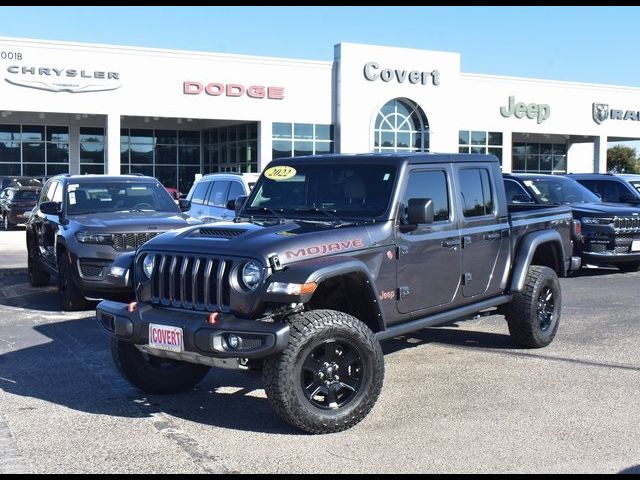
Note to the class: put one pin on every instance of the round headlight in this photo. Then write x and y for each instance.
(251, 275)
(147, 265)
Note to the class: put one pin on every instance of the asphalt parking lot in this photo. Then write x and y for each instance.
(456, 399)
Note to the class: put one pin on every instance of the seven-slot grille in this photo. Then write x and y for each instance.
(131, 241)
(627, 224)
(191, 281)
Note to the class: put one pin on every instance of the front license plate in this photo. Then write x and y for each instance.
(635, 246)
(164, 337)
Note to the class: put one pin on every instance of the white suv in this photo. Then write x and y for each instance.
(210, 194)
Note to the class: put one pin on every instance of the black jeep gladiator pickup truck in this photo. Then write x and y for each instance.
(328, 256)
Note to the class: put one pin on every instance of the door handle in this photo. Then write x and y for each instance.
(491, 236)
(452, 243)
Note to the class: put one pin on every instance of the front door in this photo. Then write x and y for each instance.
(429, 256)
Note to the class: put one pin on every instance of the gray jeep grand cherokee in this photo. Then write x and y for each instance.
(82, 224)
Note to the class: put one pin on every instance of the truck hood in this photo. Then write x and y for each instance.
(132, 221)
(292, 241)
(607, 209)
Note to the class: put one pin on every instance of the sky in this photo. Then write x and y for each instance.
(581, 44)
(584, 44)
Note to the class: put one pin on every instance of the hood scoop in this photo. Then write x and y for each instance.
(218, 232)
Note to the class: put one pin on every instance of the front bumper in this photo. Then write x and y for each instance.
(258, 339)
(610, 258)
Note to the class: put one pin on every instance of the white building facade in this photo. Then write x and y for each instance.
(79, 108)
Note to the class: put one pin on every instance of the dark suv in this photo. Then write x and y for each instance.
(614, 188)
(82, 224)
(16, 204)
(610, 231)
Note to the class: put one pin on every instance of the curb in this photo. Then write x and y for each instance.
(12, 272)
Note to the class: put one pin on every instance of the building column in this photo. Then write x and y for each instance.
(507, 150)
(600, 154)
(112, 154)
(265, 148)
(74, 149)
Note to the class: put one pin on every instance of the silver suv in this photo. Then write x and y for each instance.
(210, 194)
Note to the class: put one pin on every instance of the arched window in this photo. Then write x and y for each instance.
(401, 126)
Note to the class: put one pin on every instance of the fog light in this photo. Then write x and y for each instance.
(117, 272)
(233, 341)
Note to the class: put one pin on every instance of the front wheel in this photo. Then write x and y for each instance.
(71, 297)
(534, 313)
(6, 224)
(152, 374)
(329, 376)
(38, 277)
(629, 267)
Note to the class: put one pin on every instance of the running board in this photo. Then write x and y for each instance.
(441, 318)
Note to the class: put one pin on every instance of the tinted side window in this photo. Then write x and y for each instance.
(218, 194)
(513, 190)
(235, 190)
(475, 187)
(200, 192)
(428, 184)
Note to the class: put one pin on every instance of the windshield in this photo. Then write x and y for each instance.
(28, 195)
(109, 197)
(328, 191)
(560, 190)
(636, 185)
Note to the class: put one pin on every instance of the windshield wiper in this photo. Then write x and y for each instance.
(280, 218)
(329, 213)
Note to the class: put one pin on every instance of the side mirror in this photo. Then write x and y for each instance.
(521, 199)
(184, 205)
(420, 211)
(236, 204)
(51, 208)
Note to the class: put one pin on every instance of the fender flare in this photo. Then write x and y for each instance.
(526, 251)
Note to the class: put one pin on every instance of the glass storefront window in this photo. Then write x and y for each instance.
(401, 126)
(141, 136)
(58, 153)
(539, 158)
(166, 137)
(302, 148)
(166, 154)
(93, 135)
(282, 130)
(58, 134)
(92, 153)
(141, 154)
(33, 153)
(481, 142)
(10, 153)
(9, 132)
(32, 133)
(303, 131)
(281, 149)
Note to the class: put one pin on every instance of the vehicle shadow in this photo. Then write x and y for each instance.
(72, 367)
(22, 295)
(453, 336)
(597, 272)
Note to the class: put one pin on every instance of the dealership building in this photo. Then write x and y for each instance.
(83, 108)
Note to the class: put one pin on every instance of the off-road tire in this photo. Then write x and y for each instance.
(155, 375)
(533, 320)
(283, 373)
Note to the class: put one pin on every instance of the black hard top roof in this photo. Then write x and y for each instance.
(393, 158)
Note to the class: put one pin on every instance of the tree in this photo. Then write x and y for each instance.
(621, 159)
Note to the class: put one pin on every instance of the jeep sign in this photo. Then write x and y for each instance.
(539, 111)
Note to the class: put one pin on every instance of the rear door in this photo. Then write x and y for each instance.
(483, 233)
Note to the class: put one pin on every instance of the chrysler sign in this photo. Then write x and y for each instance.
(216, 89)
(58, 79)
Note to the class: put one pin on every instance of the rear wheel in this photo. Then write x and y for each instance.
(534, 313)
(37, 276)
(71, 297)
(629, 267)
(154, 374)
(330, 375)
